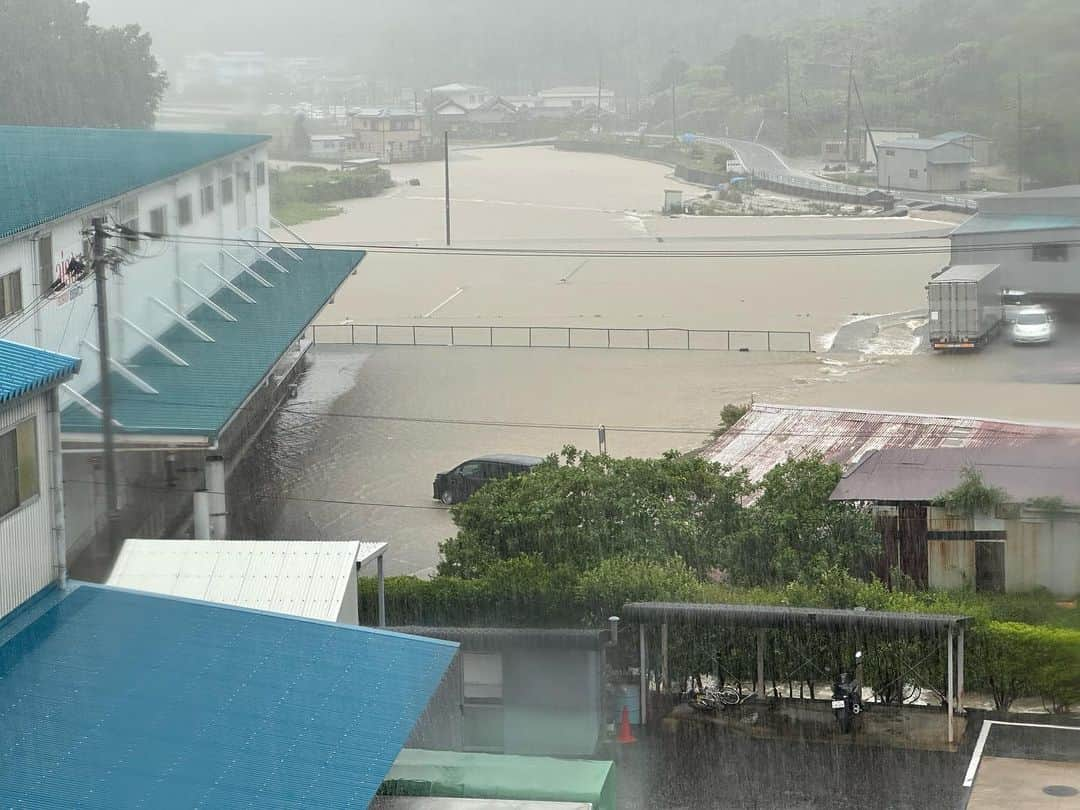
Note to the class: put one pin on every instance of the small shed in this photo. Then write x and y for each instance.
(309, 579)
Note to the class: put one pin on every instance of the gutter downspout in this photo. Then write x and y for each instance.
(56, 485)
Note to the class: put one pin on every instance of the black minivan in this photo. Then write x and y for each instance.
(462, 481)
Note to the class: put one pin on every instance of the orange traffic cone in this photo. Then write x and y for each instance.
(625, 735)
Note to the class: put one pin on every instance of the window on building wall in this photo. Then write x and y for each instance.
(184, 214)
(158, 218)
(131, 240)
(260, 173)
(913, 173)
(46, 273)
(245, 181)
(1050, 253)
(227, 191)
(206, 199)
(890, 153)
(18, 466)
(10, 293)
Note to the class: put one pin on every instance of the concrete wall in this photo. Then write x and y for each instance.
(1013, 251)
(895, 170)
(27, 558)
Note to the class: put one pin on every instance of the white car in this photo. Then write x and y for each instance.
(1012, 302)
(1033, 325)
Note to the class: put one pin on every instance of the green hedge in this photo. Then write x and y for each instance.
(1017, 645)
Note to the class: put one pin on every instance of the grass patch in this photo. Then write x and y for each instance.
(298, 212)
(306, 193)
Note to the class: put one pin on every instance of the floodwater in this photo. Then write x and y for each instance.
(373, 425)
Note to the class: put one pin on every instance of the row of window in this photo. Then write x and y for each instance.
(18, 466)
(185, 209)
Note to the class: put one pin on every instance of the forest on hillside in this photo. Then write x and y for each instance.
(941, 65)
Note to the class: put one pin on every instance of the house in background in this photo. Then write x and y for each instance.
(1033, 235)
(566, 101)
(865, 147)
(333, 147)
(390, 133)
(922, 164)
(518, 691)
(466, 96)
(980, 146)
(33, 548)
(1031, 540)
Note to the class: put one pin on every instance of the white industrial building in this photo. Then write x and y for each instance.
(922, 164)
(206, 312)
(1033, 235)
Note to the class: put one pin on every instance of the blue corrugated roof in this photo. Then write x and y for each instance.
(49, 172)
(24, 369)
(198, 399)
(115, 699)
(1005, 223)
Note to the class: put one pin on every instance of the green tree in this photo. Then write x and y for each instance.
(587, 508)
(795, 532)
(57, 69)
(754, 65)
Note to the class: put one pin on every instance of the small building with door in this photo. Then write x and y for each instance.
(922, 164)
(1031, 539)
(334, 147)
(391, 133)
(537, 692)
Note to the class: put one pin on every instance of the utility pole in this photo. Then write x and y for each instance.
(599, 90)
(112, 504)
(446, 173)
(674, 132)
(866, 121)
(1019, 132)
(787, 65)
(847, 128)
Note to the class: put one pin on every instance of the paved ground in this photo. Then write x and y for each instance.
(1028, 766)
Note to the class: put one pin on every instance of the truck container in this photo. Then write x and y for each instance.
(965, 306)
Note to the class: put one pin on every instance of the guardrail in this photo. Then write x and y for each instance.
(563, 337)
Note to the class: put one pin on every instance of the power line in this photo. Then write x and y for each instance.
(536, 252)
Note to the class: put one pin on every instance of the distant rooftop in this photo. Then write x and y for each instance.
(115, 699)
(581, 90)
(26, 369)
(899, 474)
(966, 272)
(50, 172)
(959, 136)
(384, 112)
(919, 144)
(770, 434)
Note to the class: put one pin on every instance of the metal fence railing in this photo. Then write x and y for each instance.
(563, 337)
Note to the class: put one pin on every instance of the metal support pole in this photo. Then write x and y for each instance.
(949, 689)
(960, 670)
(643, 698)
(761, 664)
(376, 334)
(382, 590)
(215, 490)
(201, 515)
(446, 172)
(665, 681)
(112, 503)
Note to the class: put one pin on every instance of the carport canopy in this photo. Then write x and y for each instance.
(764, 617)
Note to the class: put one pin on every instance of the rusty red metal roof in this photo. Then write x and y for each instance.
(768, 435)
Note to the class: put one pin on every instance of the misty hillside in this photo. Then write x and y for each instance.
(511, 45)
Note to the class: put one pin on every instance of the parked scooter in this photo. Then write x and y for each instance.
(847, 696)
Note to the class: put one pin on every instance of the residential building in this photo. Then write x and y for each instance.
(334, 147)
(922, 164)
(32, 545)
(518, 691)
(832, 151)
(569, 100)
(467, 96)
(390, 133)
(313, 579)
(1030, 540)
(864, 149)
(1033, 235)
(206, 326)
(980, 146)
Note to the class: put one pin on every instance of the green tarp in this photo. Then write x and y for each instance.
(418, 772)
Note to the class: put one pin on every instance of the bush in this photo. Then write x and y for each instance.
(1013, 659)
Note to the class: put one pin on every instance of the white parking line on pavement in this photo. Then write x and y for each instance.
(984, 732)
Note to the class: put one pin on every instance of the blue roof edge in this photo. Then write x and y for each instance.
(75, 584)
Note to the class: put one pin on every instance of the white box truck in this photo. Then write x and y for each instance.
(965, 306)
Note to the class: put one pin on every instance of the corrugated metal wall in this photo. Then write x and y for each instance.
(26, 548)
